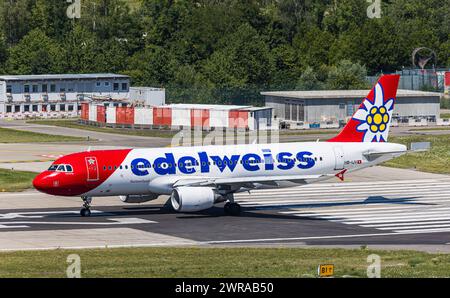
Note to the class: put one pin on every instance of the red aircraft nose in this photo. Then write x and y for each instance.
(43, 183)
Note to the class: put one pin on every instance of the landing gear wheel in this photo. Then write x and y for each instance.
(233, 209)
(226, 208)
(85, 212)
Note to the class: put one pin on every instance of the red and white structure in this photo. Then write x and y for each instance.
(178, 116)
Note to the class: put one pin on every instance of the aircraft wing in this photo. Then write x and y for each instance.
(245, 180)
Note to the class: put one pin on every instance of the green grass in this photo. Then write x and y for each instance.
(132, 132)
(445, 115)
(11, 181)
(221, 262)
(16, 136)
(436, 160)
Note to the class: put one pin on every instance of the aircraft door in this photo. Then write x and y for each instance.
(339, 158)
(92, 169)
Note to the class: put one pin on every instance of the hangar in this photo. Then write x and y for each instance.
(333, 108)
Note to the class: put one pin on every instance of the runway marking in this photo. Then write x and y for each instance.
(411, 221)
(42, 214)
(356, 190)
(354, 195)
(418, 227)
(365, 210)
(13, 227)
(12, 194)
(370, 216)
(350, 194)
(114, 221)
(422, 222)
(397, 206)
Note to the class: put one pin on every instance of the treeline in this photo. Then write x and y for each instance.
(225, 51)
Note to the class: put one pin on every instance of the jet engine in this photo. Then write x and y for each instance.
(133, 199)
(192, 199)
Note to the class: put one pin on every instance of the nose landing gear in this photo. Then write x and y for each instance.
(86, 210)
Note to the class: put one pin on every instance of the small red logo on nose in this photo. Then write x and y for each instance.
(55, 183)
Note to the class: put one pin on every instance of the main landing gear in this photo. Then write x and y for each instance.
(232, 208)
(86, 210)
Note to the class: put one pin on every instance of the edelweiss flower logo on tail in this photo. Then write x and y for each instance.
(374, 116)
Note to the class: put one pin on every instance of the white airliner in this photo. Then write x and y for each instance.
(196, 178)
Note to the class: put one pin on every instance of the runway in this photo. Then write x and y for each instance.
(403, 213)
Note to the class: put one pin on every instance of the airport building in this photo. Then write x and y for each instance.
(178, 116)
(60, 95)
(333, 108)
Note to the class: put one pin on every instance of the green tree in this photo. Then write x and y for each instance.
(190, 86)
(50, 17)
(15, 19)
(309, 80)
(81, 51)
(152, 67)
(347, 75)
(443, 53)
(3, 54)
(286, 67)
(161, 19)
(35, 54)
(243, 59)
(312, 45)
(343, 15)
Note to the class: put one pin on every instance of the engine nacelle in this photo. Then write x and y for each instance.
(133, 199)
(192, 199)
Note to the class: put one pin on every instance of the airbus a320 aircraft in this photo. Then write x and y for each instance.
(196, 178)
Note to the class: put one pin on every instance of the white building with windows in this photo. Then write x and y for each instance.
(57, 95)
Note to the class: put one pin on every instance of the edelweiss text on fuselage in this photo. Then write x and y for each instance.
(252, 162)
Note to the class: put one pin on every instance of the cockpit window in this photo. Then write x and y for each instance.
(61, 168)
(53, 168)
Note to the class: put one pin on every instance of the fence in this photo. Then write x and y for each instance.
(418, 80)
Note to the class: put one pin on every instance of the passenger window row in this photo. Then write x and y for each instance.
(142, 166)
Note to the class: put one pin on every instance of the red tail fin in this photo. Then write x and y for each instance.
(372, 120)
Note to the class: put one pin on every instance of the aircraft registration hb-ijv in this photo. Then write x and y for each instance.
(196, 178)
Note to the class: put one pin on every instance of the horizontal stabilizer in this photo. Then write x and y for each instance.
(372, 155)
